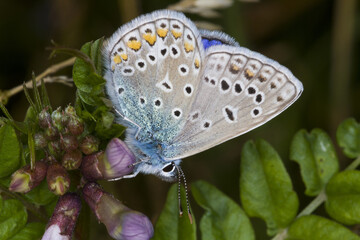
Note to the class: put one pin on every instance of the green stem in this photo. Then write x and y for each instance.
(29, 206)
(313, 205)
(354, 164)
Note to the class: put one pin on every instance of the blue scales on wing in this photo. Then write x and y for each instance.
(154, 64)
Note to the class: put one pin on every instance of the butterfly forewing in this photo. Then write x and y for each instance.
(155, 62)
(239, 90)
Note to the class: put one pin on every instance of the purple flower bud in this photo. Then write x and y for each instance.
(54, 148)
(63, 220)
(75, 126)
(44, 118)
(40, 140)
(65, 118)
(134, 226)
(90, 166)
(115, 163)
(51, 133)
(58, 179)
(89, 144)
(72, 159)
(119, 160)
(69, 142)
(56, 117)
(120, 221)
(25, 179)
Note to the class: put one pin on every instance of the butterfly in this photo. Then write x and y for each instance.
(180, 90)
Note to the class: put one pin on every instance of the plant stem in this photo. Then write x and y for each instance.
(5, 95)
(29, 206)
(314, 204)
(354, 164)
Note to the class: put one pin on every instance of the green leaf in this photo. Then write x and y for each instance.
(89, 82)
(1, 202)
(86, 78)
(315, 154)
(348, 137)
(223, 218)
(31, 231)
(36, 94)
(9, 120)
(265, 186)
(31, 115)
(44, 95)
(13, 217)
(343, 197)
(106, 128)
(313, 227)
(170, 225)
(40, 195)
(96, 54)
(9, 150)
(28, 97)
(89, 99)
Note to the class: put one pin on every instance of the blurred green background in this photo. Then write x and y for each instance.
(318, 40)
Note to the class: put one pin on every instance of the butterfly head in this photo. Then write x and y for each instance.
(167, 171)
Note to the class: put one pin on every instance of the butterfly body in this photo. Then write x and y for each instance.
(180, 91)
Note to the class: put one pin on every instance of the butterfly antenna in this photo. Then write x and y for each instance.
(186, 195)
(179, 191)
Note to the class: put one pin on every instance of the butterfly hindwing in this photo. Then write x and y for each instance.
(155, 62)
(239, 90)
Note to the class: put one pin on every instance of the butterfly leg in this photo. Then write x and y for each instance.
(128, 120)
(126, 176)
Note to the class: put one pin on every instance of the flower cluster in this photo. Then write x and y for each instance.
(67, 145)
(61, 136)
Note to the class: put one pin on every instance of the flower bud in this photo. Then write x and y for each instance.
(89, 144)
(63, 220)
(54, 148)
(58, 179)
(69, 142)
(25, 179)
(40, 140)
(51, 133)
(72, 159)
(44, 118)
(70, 111)
(90, 166)
(115, 163)
(56, 117)
(75, 126)
(65, 119)
(120, 221)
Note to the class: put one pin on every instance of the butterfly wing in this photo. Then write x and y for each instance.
(154, 63)
(239, 90)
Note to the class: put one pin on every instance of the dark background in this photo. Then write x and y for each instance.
(317, 39)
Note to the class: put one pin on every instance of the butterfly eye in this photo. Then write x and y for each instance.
(169, 168)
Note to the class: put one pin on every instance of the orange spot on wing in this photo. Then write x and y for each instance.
(150, 38)
(248, 74)
(188, 47)
(162, 32)
(176, 34)
(124, 56)
(134, 44)
(117, 59)
(197, 63)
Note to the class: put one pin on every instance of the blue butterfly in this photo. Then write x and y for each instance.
(180, 90)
